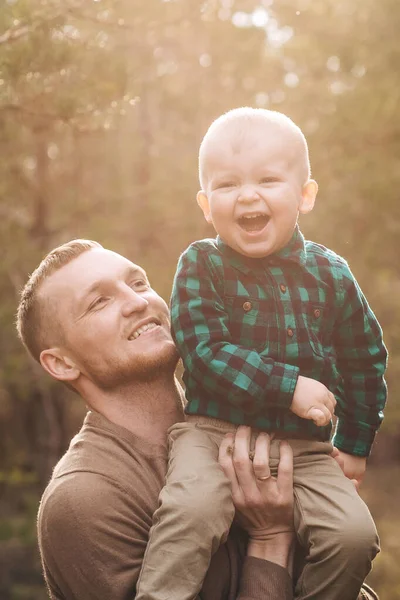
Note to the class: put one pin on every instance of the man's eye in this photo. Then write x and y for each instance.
(98, 302)
(140, 284)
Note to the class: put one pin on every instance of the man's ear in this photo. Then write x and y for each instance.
(308, 196)
(58, 365)
(202, 201)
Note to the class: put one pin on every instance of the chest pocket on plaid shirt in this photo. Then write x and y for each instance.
(319, 323)
(250, 320)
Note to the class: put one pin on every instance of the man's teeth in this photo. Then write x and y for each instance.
(142, 329)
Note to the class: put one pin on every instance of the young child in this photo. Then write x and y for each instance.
(272, 331)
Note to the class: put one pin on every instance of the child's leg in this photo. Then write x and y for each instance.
(333, 524)
(193, 519)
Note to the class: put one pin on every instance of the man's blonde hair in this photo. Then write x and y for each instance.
(240, 120)
(37, 322)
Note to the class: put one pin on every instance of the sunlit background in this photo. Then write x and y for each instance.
(102, 108)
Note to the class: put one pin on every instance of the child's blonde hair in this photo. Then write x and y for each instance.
(240, 119)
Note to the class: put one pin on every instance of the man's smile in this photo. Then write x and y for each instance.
(144, 326)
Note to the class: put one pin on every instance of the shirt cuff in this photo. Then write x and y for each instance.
(282, 383)
(354, 438)
(264, 580)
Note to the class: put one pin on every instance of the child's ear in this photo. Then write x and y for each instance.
(58, 365)
(308, 196)
(202, 201)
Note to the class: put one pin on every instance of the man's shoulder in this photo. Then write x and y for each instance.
(90, 451)
(83, 478)
(100, 524)
(103, 466)
(71, 489)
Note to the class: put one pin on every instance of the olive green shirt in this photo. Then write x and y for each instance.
(96, 514)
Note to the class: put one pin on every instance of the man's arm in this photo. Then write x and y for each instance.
(362, 358)
(232, 373)
(265, 510)
(91, 539)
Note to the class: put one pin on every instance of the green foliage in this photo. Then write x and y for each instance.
(102, 108)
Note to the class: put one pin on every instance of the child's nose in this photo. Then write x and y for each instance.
(248, 194)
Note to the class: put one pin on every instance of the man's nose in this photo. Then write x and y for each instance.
(248, 194)
(133, 302)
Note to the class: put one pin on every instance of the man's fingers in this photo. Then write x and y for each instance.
(261, 457)
(226, 462)
(226, 451)
(241, 451)
(285, 469)
(242, 463)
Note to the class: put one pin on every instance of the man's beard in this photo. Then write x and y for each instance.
(121, 374)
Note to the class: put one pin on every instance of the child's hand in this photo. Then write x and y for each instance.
(312, 400)
(352, 466)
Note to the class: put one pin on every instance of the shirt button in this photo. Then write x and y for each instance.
(246, 306)
(317, 313)
(290, 332)
(283, 288)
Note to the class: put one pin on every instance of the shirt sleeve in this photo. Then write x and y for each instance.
(264, 580)
(232, 373)
(362, 359)
(90, 549)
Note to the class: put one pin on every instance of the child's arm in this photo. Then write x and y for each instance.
(226, 371)
(362, 359)
(200, 326)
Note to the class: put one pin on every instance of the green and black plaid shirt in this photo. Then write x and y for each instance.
(246, 328)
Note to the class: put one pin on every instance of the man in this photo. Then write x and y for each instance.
(90, 317)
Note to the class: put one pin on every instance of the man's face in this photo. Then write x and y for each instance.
(254, 190)
(115, 327)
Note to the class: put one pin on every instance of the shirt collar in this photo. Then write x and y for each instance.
(293, 252)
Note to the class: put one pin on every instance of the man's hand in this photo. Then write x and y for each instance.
(352, 466)
(312, 400)
(264, 503)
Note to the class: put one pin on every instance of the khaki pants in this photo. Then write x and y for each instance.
(196, 511)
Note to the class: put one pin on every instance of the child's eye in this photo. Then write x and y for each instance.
(269, 180)
(225, 184)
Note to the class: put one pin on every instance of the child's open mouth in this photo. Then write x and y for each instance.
(255, 222)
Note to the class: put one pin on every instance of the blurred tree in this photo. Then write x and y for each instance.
(103, 104)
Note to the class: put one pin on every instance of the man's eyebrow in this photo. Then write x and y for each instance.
(133, 270)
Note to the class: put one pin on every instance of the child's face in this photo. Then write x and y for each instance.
(255, 190)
